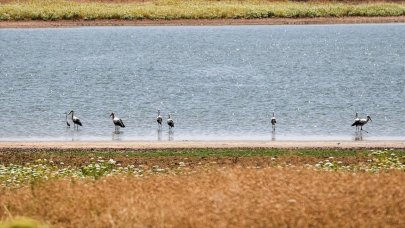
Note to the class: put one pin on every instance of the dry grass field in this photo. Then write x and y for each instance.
(227, 197)
(56, 10)
(228, 187)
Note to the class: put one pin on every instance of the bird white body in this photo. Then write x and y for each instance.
(75, 119)
(170, 122)
(117, 121)
(159, 119)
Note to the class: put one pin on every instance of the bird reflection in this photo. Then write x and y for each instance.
(358, 136)
(273, 135)
(117, 136)
(159, 134)
(171, 135)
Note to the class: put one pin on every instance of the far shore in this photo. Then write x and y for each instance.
(372, 144)
(200, 22)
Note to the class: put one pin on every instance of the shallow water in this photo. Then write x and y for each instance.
(218, 82)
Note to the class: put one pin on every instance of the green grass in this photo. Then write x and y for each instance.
(194, 152)
(22, 222)
(193, 9)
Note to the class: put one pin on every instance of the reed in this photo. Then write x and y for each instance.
(191, 9)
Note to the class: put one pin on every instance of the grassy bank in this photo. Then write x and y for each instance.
(190, 9)
(20, 167)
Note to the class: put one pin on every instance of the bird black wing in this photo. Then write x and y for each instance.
(357, 122)
(121, 123)
(77, 121)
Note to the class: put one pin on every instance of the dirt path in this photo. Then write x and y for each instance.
(202, 144)
(264, 21)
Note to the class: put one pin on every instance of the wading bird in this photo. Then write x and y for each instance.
(159, 119)
(117, 122)
(170, 122)
(360, 122)
(76, 121)
(67, 122)
(273, 122)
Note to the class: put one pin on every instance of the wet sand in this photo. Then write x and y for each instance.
(201, 144)
(196, 22)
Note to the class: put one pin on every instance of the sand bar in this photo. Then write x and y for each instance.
(196, 22)
(200, 144)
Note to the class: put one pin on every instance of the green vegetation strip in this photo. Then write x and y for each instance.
(187, 152)
(31, 167)
(190, 9)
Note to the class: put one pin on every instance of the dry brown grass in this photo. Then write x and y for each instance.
(231, 197)
(132, 1)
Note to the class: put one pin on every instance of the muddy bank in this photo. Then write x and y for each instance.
(197, 22)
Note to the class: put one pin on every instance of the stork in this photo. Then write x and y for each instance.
(117, 122)
(76, 121)
(170, 122)
(360, 122)
(67, 122)
(273, 122)
(159, 119)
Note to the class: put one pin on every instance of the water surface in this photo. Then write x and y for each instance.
(218, 82)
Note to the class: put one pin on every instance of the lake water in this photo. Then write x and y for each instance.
(218, 82)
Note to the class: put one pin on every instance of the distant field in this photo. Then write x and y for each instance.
(204, 187)
(192, 9)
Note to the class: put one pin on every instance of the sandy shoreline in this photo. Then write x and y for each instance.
(200, 144)
(197, 22)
